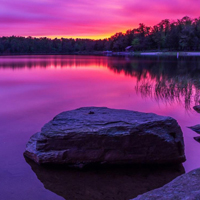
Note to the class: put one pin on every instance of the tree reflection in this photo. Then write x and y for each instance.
(172, 90)
(49, 61)
(165, 79)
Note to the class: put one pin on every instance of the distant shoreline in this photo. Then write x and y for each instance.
(158, 53)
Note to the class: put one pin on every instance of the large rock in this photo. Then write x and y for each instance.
(184, 187)
(110, 136)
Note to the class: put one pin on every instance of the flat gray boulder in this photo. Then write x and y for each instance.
(107, 136)
(184, 187)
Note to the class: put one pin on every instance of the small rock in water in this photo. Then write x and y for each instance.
(197, 108)
(195, 128)
(197, 139)
(110, 136)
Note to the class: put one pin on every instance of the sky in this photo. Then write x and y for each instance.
(93, 19)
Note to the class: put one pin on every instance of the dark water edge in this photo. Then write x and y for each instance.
(104, 183)
(122, 53)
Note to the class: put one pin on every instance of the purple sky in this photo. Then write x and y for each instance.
(87, 18)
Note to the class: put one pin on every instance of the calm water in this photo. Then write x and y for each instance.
(33, 89)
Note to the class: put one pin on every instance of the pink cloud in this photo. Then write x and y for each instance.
(87, 17)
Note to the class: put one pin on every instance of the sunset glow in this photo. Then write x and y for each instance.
(86, 18)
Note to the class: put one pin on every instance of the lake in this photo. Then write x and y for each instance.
(33, 89)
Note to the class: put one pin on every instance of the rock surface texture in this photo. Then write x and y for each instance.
(184, 187)
(107, 136)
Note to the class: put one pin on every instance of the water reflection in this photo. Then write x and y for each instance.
(163, 79)
(36, 88)
(104, 183)
(57, 61)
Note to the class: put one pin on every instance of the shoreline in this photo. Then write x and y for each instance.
(158, 53)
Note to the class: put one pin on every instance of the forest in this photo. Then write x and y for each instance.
(180, 35)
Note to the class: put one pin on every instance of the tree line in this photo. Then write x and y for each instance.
(180, 35)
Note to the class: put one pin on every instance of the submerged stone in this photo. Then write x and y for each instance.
(197, 138)
(103, 182)
(107, 136)
(197, 108)
(195, 128)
